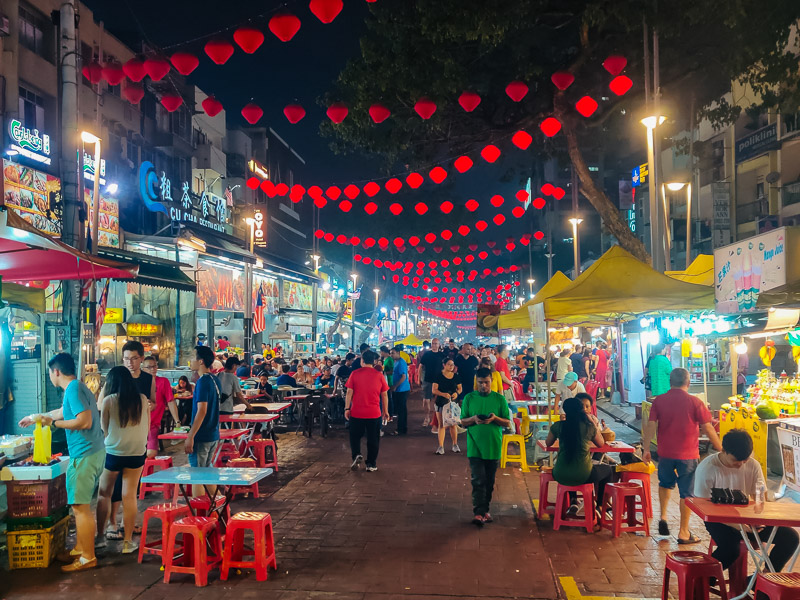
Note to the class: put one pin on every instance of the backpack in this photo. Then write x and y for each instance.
(451, 414)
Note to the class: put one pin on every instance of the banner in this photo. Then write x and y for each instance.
(269, 287)
(739, 419)
(488, 317)
(27, 191)
(789, 441)
(218, 287)
(109, 218)
(296, 295)
(328, 300)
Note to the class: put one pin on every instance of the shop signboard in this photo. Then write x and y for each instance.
(219, 287)
(28, 143)
(259, 230)
(757, 143)
(639, 175)
(269, 290)
(88, 168)
(789, 441)
(28, 191)
(327, 300)
(488, 317)
(109, 218)
(114, 315)
(745, 269)
(347, 315)
(296, 295)
(142, 329)
(739, 419)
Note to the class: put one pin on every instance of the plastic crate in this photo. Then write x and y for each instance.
(37, 522)
(29, 499)
(36, 548)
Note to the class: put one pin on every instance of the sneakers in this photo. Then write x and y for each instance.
(572, 511)
(456, 449)
(79, 564)
(381, 433)
(434, 430)
(129, 547)
(356, 462)
(440, 450)
(477, 520)
(487, 518)
(372, 468)
(426, 422)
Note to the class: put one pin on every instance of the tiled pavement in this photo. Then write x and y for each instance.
(402, 532)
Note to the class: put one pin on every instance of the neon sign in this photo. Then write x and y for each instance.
(259, 237)
(88, 168)
(29, 143)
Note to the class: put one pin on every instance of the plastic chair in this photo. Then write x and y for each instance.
(167, 514)
(519, 393)
(694, 571)
(262, 552)
(202, 506)
(778, 586)
(227, 453)
(562, 504)
(737, 572)
(644, 479)
(520, 458)
(621, 499)
(150, 465)
(545, 506)
(243, 463)
(195, 560)
(258, 449)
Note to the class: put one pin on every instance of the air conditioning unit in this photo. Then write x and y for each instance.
(4, 27)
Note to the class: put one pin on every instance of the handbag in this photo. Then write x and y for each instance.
(222, 397)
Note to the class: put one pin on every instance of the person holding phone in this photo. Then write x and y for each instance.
(446, 389)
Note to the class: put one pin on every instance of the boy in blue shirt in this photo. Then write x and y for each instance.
(203, 436)
(400, 389)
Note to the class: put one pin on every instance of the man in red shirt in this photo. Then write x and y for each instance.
(366, 404)
(501, 365)
(164, 400)
(678, 415)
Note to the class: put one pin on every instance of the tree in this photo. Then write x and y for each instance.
(439, 48)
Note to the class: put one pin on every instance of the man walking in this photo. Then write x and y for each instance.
(366, 403)
(388, 372)
(203, 436)
(400, 389)
(466, 365)
(676, 415)
(431, 361)
(485, 415)
(80, 419)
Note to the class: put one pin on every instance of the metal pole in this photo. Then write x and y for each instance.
(248, 306)
(177, 314)
(688, 225)
(655, 166)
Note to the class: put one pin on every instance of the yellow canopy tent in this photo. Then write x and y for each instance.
(619, 287)
(700, 272)
(411, 340)
(520, 318)
(28, 297)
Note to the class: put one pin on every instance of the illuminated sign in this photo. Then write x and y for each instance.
(259, 229)
(29, 143)
(639, 175)
(114, 315)
(143, 329)
(88, 168)
(259, 169)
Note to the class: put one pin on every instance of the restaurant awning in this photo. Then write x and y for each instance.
(26, 297)
(27, 254)
(154, 271)
(620, 287)
(700, 272)
(785, 296)
(410, 340)
(520, 318)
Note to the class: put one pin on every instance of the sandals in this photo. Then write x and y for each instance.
(663, 528)
(114, 534)
(693, 539)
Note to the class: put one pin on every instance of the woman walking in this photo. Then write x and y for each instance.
(446, 389)
(125, 417)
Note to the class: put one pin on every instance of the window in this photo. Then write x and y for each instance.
(32, 28)
(181, 123)
(31, 109)
(132, 151)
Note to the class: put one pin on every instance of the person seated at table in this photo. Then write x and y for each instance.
(325, 379)
(264, 387)
(314, 368)
(285, 379)
(183, 394)
(569, 387)
(230, 391)
(244, 371)
(575, 435)
(257, 367)
(497, 381)
(735, 468)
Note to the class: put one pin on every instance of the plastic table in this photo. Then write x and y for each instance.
(250, 420)
(224, 435)
(273, 407)
(749, 518)
(608, 448)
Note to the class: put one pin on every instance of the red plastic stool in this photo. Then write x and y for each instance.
(243, 463)
(623, 499)
(202, 506)
(150, 464)
(195, 559)
(737, 572)
(778, 586)
(545, 506)
(167, 514)
(258, 448)
(645, 479)
(262, 552)
(694, 571)
(228, 452)
(562, 504)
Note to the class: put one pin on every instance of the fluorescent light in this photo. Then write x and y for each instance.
(112, 188)
(89, 138)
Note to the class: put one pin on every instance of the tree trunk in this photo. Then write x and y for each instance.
(370, 326)
(339, 314)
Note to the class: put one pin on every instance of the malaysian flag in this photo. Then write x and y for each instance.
(101, 309)
(259, 323)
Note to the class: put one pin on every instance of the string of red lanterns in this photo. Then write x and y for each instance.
(415, 242)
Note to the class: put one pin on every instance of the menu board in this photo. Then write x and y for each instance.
(296, 295)
(28, 192)
(328, 300)
(218, 287)
(269, 289)
(109, 218)
(789, 440)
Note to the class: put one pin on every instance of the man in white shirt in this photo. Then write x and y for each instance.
(568, 387)
(564, 365)
(734, 468)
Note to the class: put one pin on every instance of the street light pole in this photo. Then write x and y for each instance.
(656, 234)
(576, 245)
(530, 285)
(89, 138)
(353, 313)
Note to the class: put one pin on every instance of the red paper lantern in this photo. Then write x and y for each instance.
(511, 246)
(211, 106)
(297, 193)
(294, 113)
(491, 243)
(113, 73)
(420, 249)
(615, 63)
(383, 242)
(393, 185)
(471, 205)
(252, 113)
(395, 208)
(284, 26)
(252, 183)
(414, 180)
(367, 260)
(522, 139)
(454, 248)
(430, 237)
(538, 235)
(497, 200)
(421, 208)
(134, 69)
(345, 205)
(473, 247)
(218, 50)
(446, 234)
(516, 90)
(469, 101)
(425, 108)
(326, 10)
(457, 261)
(157, 68)
(559, 193)
(370, 208)
(490, 153)
(463, 164)
(172, 102)
(438, 174)
(522, 196)
(315, 191)
(562, 79)
(268, 188)
(586, 106)
(328, 237)
(337, 112)
(483, 255)
(399, 242)
(369, 242)
(620, 84)
(184, 62)
(550, 126)
(371, 188)
(93, 72)
(414, 241)
(446, 207)
(481, 225)
(518, 212)
(499, 219)
(469, 258)
(463, 230)
(320, 202)
(524, 241)
(547, 189)
(281, 189)
(341, 238)
(333, 193)
(538, 203)
(438, 250)
(352, 191)
(249, 39)
(133, 93)
(319, 234)
(379, 113)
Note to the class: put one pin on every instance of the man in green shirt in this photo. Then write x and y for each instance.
(659, 369)
(485, 414)
(388, 371)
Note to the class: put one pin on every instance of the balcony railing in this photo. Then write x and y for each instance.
(790, 194)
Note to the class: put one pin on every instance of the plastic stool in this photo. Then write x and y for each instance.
(150, 464)
(520, 458)
(228, 452)
(258, 448)
(167, 514)
(694, 570)
(778, 586)
(195, 559)
(545, 506)
(243, 463)
(737, 572)
(623, 499)
(262, 552)
(645, 479)
(562, 504)
(202, 506)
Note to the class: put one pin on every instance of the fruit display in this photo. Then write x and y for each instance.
(774, 396)
(767, 352)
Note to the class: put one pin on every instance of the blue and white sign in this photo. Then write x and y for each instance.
(28, 142)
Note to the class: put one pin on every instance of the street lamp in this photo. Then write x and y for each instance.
(316, 258)
(677, 186)
(656, 237)
(530, 285)
(353, 311)
(252, 223)
(576, 245)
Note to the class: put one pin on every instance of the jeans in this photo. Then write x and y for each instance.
(483, 473)
(728, 538)
(401, 409)
(390, 395)
(372, 429)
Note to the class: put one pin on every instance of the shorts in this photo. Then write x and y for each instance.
(83, 477)
(203, 454)
(152, 437)
(441, 403)
(674, 470)
(117, 463)
(427, 390)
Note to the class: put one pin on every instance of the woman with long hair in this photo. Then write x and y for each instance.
(125, 418)
(183, 394)
(446, 389)
(497, 381)
(575, 435)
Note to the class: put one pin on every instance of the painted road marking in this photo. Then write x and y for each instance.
(573, 593)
